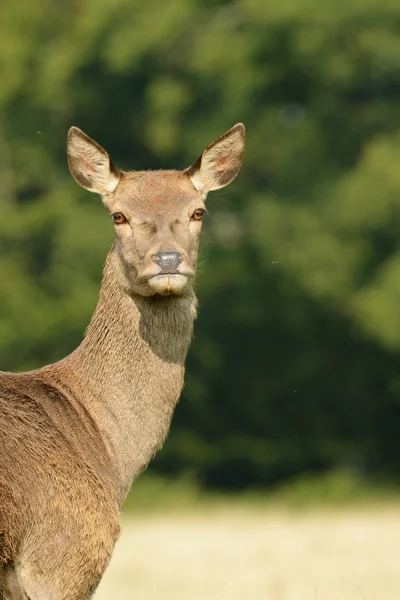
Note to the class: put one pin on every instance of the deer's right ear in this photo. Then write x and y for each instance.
(90, 164)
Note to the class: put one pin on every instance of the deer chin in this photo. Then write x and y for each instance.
(168, 284)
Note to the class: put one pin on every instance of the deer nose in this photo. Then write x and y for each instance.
(168, 261)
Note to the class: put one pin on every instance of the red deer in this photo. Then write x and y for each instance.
(75, 434)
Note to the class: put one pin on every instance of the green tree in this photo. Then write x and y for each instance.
(294, 364)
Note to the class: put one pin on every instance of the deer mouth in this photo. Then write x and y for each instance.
(173, 283)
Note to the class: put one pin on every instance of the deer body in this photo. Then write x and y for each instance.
(74, 435)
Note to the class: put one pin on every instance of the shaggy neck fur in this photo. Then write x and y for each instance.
(130, 367)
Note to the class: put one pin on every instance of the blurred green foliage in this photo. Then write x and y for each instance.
(340, 488)
(295, 364)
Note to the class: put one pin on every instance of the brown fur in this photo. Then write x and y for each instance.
(74, 435)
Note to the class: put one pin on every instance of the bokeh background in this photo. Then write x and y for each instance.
(293, 380)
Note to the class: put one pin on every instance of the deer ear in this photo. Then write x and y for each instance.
(90, 164)
(220, 162)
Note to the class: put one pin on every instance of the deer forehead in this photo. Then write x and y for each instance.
(154, 194)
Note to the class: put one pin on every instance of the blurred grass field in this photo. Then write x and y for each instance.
(220, 549)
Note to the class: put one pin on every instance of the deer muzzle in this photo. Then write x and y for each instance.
(168, 261)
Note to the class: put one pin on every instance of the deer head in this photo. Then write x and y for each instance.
(157, 214)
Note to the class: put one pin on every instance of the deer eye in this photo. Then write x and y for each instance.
(118, 218)
(198, 214)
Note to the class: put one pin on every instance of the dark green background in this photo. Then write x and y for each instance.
(295, 363)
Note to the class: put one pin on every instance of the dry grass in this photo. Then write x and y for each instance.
(248, 553)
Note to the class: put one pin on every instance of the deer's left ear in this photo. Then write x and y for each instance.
(220, 162)
(90, 164)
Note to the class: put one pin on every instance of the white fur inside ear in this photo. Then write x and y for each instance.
(198, 183)
(112, 184)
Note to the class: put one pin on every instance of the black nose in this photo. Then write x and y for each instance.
(168, 261)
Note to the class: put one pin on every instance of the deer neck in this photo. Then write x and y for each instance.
(131, 368)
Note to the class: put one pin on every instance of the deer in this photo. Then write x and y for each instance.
(75, 434)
